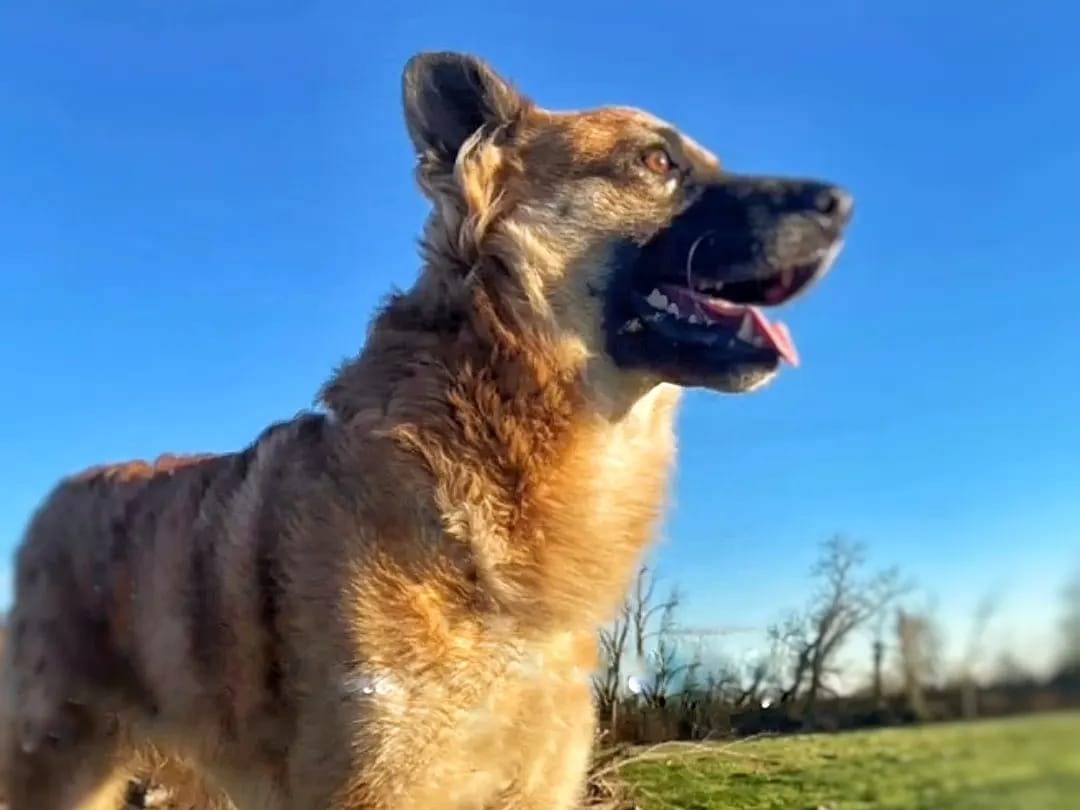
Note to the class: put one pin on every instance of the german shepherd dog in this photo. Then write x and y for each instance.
(390, 602)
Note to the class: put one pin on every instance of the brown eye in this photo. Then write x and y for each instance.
(657, 160)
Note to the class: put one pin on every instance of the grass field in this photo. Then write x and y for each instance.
(1017, 764)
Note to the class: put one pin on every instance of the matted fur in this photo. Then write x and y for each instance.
(391, 604)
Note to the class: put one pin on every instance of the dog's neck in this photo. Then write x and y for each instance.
(554, 495)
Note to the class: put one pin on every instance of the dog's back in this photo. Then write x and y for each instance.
(127, 582)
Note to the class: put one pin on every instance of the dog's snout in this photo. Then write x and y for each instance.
(835, 203)
(778, 196)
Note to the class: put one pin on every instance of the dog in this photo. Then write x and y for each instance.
(390, 601)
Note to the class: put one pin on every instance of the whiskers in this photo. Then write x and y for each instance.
(690, 272)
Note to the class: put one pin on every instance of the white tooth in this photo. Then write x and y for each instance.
(831, 254)
(746, 328)
(633, 325)
(694, 319)
(758, 341)
(673, 309)
(657, 300)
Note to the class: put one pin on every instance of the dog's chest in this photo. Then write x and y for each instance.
(632, 459)
(520, 729)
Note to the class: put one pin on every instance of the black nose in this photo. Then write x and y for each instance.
(834, 202)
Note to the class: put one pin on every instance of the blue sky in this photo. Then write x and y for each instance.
(201, 207)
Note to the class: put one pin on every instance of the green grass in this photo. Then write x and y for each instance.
(1018, 764)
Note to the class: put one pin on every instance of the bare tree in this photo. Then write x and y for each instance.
(969, 687)
(792, 639)
(664, 660)
(877, 651)
(753, 682)
(643, 609)
(1009, 671)
(1070, 629)
(607, 682)
(845, 601)
(722, 682)
(919, 644)
(633, 622)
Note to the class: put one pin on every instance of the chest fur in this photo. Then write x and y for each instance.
(528, 730)
(603, 508)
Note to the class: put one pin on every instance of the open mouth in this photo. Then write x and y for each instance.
(712, 311)
(689, 304)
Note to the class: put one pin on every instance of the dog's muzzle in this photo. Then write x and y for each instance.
(698, 286)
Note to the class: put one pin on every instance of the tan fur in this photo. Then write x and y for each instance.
(394, 605)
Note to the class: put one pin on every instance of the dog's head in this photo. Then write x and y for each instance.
(619, 234)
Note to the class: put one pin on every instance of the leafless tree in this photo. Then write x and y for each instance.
(644, 608)
(919, 644)
(792, 638)
(753, 682)
(633, 624)
(846, 600)
(1070, 628)
(969, 687)
(607, 682)
(722, 681)
(665, 667)
(1010, 671)
(877, 651)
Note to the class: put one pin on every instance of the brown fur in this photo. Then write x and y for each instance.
(391, 605)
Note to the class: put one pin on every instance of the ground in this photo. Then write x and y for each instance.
(1030, 763)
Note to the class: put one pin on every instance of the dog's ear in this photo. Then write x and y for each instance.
(449, 96)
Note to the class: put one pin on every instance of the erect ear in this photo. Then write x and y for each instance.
(449, 96)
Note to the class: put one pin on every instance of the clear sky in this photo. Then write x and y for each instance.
(199, 209)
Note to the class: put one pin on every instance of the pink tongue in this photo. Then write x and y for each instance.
(775, 335)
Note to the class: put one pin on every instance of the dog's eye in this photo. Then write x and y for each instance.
(657, 160)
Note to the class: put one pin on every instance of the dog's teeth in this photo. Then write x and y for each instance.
(657, 300)
(632, 325)
(673, 309)
(746, 328)
(694, 319)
